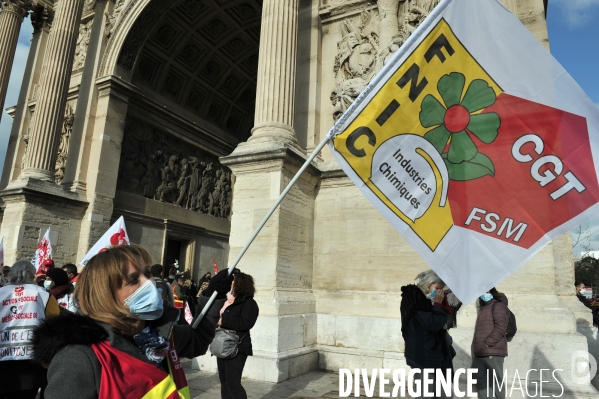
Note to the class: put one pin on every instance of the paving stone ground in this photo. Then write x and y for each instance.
(317, 384)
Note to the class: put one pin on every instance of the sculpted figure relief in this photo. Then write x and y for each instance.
(112, 19)
(89, 6)
(63, 149)
(85, 32)
(165, 169)
(25, 138)
(360, 54)
(356, 61)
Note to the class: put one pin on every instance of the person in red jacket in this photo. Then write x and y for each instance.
(489, 344)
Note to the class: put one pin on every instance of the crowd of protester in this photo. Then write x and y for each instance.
(131, 330)
(120, 339)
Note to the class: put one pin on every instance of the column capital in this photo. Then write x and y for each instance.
(20, 7)
(41, 17)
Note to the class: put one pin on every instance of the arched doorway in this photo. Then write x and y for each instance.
(193, 73)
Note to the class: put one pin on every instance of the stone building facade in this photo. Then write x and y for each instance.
(189, 117)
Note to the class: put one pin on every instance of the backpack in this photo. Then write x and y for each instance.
(511, 327)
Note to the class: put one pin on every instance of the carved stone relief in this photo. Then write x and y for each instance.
(113, 18)
(63, 149)
(41, 17)
(360, 55)
(164, 168)
(25, 138)
(357, 60)
(85, 31)
(89, 6)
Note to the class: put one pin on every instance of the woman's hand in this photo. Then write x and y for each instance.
(40, 278)
(439, 297)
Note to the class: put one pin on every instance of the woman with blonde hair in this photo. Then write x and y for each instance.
(125, 342)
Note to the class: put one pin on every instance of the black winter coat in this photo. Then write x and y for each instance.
(594, 310)
(241, 317)
(425, 346)
(64, 342)
(213, 313)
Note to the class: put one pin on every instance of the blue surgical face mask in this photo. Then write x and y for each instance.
(48, 284)
(432, 294)
(486, 297)
(146, 302)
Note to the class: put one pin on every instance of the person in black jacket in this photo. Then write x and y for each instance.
(125, 342)
(238, 313)
(424, 316)
(579, 285)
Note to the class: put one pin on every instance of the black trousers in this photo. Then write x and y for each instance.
(229, 373)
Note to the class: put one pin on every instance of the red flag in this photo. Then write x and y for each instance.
(114, 237)
(215, 266)
(43, 252)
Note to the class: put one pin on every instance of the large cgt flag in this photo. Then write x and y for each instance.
(474, 143)
(115, 236)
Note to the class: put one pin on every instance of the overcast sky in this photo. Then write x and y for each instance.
(573, 34)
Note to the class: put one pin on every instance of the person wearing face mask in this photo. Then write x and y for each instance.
(489, 344)
(58, 285)
(22, 377)
(125, 342)
(424, 317)
(580, 287)
(239, 313)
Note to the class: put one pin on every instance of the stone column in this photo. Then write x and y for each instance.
(389, 20)
(54, 85)
(275, 97)
(12, 13)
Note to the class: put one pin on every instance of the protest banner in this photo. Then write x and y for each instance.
(23, 308)
(115, 236)
(43, 252)
(474, 143)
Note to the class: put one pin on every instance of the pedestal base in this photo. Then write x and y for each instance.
(31, 207)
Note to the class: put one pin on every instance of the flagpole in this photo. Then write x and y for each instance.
(263, 222)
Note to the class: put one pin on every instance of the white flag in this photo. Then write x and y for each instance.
(114, 237)
(1, 251)
(43, 252)
(188, 314)
(474, 143)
